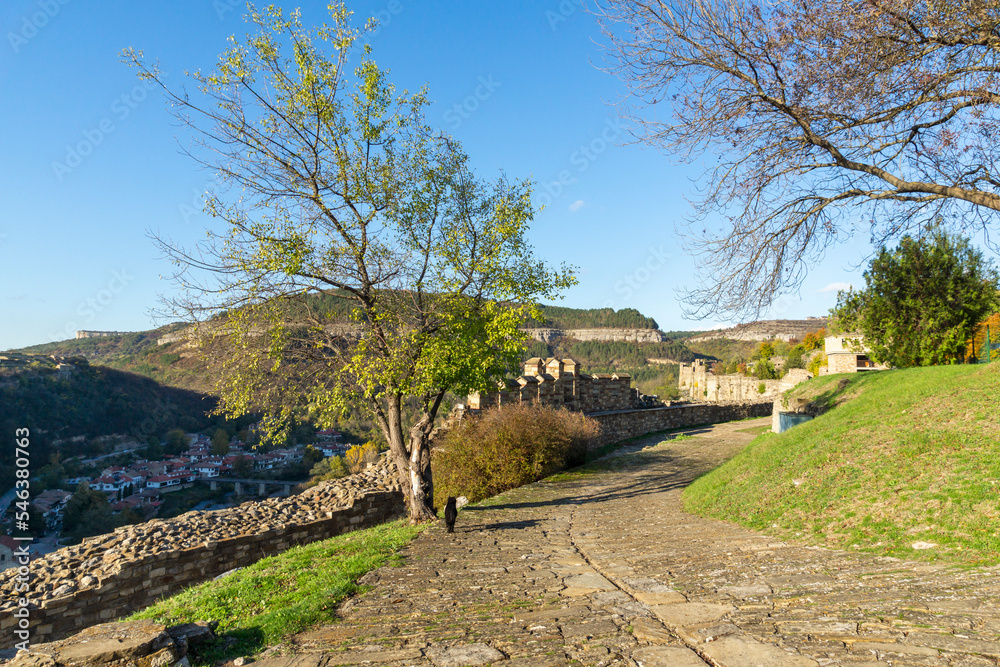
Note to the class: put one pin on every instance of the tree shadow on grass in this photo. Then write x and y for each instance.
(232, 644)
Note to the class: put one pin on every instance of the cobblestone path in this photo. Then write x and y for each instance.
(606, 569)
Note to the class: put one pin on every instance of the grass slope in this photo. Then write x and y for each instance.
(904, 457)
(260, 605)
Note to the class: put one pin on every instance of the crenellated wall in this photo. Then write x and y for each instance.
(560, 383)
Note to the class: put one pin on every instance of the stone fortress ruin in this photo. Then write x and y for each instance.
(699, 383)
(561, 383)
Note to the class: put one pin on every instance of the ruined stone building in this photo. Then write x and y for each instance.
(699, 383)
(561, 383)
(847, 354)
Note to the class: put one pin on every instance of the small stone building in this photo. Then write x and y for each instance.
(561, 383)
(847, 354)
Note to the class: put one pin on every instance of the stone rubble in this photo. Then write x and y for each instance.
(125, 644)
(85, 565)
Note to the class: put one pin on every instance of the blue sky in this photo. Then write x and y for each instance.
(91, 161)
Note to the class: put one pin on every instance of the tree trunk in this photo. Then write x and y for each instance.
(414, 475)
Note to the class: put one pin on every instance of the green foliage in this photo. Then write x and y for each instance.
(176, 442)
(922, 301)
(92, 401)
(87, 513)
(508, 447)
(220, 442)
(277, 597)
(817, 362)
(796, 357)
(764, 351)
(242, 467)
(329, 468)
(900, 456)
(558, 317)
(765, 370)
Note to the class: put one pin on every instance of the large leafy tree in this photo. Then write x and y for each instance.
(815, 120)
(360, 264)
(922, 300)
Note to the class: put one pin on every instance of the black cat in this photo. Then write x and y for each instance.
(450, 514)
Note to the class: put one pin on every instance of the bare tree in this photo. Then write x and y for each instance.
(816, 120)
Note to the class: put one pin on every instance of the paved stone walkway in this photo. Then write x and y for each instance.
(606, 569)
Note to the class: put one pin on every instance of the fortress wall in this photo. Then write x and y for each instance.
(625, 424)
(110, 576)
(140, 583)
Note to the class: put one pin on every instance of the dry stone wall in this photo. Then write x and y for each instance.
(625, 424)
(109, 576)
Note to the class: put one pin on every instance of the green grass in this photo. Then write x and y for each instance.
(276, 597)
(901, 457)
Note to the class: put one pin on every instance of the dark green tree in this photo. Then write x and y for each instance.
(796, 358)
(220, 442)
(177, 441)
(921, 301)
(242, 467)
(765, 370)
(87, 513)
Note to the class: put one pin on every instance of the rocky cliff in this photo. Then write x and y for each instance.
(602, 335)
(767, 330)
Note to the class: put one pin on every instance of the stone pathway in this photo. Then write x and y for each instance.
(606, 569)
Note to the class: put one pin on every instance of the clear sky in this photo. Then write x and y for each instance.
(91, 162)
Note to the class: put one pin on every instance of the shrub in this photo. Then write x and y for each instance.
(358, 457)
(761, 388)
(508, 447)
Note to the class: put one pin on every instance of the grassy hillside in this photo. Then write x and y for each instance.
(260, 605)
(902, 458)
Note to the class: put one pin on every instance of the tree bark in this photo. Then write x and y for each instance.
(409, 456)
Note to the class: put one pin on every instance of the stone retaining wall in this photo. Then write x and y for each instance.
(625, 424)
(113, 575)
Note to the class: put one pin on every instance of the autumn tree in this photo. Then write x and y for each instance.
(922, 301)
(361, 264)
(818, 120)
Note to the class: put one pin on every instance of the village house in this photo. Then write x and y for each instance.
(8, 545)
(50, 505)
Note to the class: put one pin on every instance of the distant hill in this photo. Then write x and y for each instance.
(559, 317)
(785, 330)
(63, 398)
(603, 339)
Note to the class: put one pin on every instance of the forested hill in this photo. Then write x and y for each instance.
(57, 400)
(559, 317)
